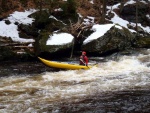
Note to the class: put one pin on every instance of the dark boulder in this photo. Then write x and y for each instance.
(113, 40)
(129, 13)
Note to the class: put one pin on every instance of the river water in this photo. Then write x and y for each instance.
(113, 86)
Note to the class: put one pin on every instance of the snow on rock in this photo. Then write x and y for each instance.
(11, 30)
(60, 39)
(21, 17)
(99, 30)
(91, 1)
(130, 2)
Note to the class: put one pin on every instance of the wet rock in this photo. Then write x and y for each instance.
(27, 31)
(129, 11)
(113, 40)
(6, 53)
(142, 41)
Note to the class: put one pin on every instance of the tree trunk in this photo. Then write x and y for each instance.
(137, 16)
(104, 11)
(37, 48)
(72, 48)
(40, 6)
(122, 5)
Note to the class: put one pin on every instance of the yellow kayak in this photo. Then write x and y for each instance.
(63, 65)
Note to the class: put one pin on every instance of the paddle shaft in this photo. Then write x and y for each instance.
(83, 62)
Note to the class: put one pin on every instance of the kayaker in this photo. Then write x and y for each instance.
(84, 59)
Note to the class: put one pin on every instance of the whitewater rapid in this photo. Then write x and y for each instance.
(33, 94)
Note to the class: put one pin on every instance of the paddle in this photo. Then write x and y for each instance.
(83, 62)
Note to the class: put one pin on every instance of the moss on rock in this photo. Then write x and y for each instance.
(6, 53)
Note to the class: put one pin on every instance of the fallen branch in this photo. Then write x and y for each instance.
(15, 44)
(23, 46)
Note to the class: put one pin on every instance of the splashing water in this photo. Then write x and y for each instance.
(39, 93)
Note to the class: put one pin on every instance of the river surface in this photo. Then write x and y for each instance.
(114, 86)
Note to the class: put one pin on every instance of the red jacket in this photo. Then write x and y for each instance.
(83, 60)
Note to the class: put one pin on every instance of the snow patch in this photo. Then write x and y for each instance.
(100, 30)
(60, 39)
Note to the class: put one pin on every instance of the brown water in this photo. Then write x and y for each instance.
(121, 86)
